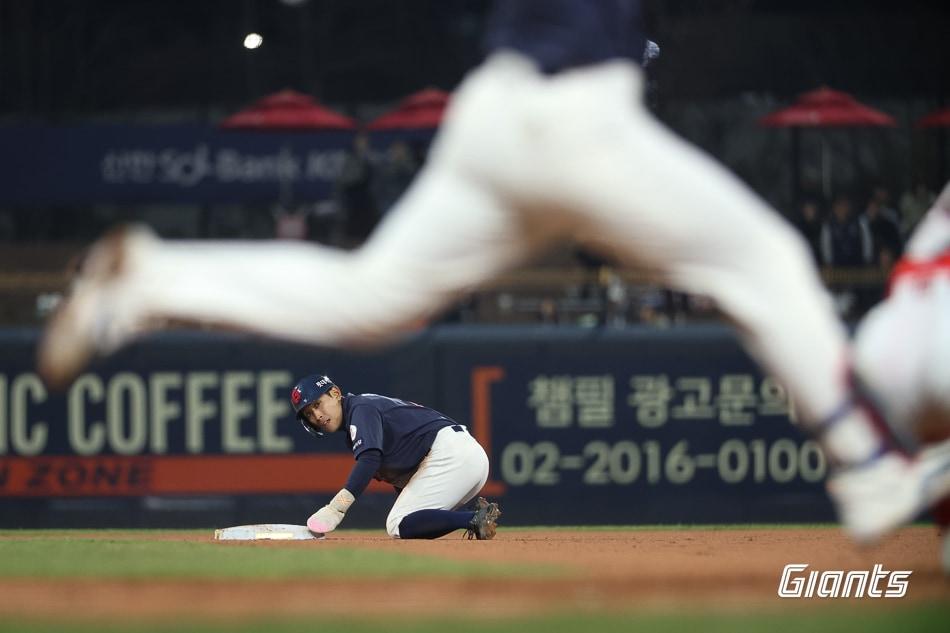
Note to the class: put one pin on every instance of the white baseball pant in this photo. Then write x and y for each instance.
(450, 476)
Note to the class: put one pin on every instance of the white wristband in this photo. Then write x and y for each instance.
(342, 501)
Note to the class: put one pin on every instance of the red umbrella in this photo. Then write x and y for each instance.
(825, 107)
(420, 110)
(937, 118)
(288, 110)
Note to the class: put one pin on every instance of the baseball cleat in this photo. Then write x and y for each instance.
(874, 498)
(90, 320)
(483, 524)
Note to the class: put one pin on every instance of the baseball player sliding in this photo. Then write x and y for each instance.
(433, 463)
(547, 140)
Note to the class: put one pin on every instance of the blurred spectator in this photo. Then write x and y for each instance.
(354, 191)
(547, 311)
(883, 197)
(846, 242)
(7, 227)
(913, 205)
(845, 237)
(326, 223)
(290, 224)
(651, 304)
(321, 221)
(886, 259)
(593, 292)
(885, 229)
(617, 298)
(395, 175)
(419, 149)
(809, 221)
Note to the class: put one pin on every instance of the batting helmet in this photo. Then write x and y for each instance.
(307, 391)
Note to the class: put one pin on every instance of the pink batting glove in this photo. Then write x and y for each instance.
(315, 525)
(324, 520)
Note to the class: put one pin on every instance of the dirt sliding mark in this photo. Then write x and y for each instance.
(601, 571)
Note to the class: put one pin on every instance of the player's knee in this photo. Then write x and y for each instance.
(481, 458)
(392, 524)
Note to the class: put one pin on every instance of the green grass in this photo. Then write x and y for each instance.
(918, 619)
(125, 559)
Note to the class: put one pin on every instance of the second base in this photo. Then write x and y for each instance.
(267, 532)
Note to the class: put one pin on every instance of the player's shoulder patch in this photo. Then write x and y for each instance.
(355, 443)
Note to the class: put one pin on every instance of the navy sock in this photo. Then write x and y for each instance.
(433, 523)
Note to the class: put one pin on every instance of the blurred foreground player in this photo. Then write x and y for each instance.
(547, 140)
(902, 349)
(433, 463)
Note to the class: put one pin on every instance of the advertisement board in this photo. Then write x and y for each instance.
(581, 426)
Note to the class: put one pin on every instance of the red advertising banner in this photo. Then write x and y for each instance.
(177, 475)
(173, 475)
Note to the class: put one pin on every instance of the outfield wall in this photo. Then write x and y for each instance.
(582, 426)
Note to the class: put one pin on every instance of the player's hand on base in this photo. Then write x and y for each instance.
(324, 520)
(329, 516)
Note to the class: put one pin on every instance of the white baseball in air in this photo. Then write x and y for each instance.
(253, 40)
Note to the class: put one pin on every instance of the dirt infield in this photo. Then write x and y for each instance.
(594, 571)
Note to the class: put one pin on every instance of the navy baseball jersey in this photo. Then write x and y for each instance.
(560, 34)
(401, 431)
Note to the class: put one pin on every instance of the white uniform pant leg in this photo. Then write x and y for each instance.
(446, 236)
(454, 229)
(452, 473)
(658, 203)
